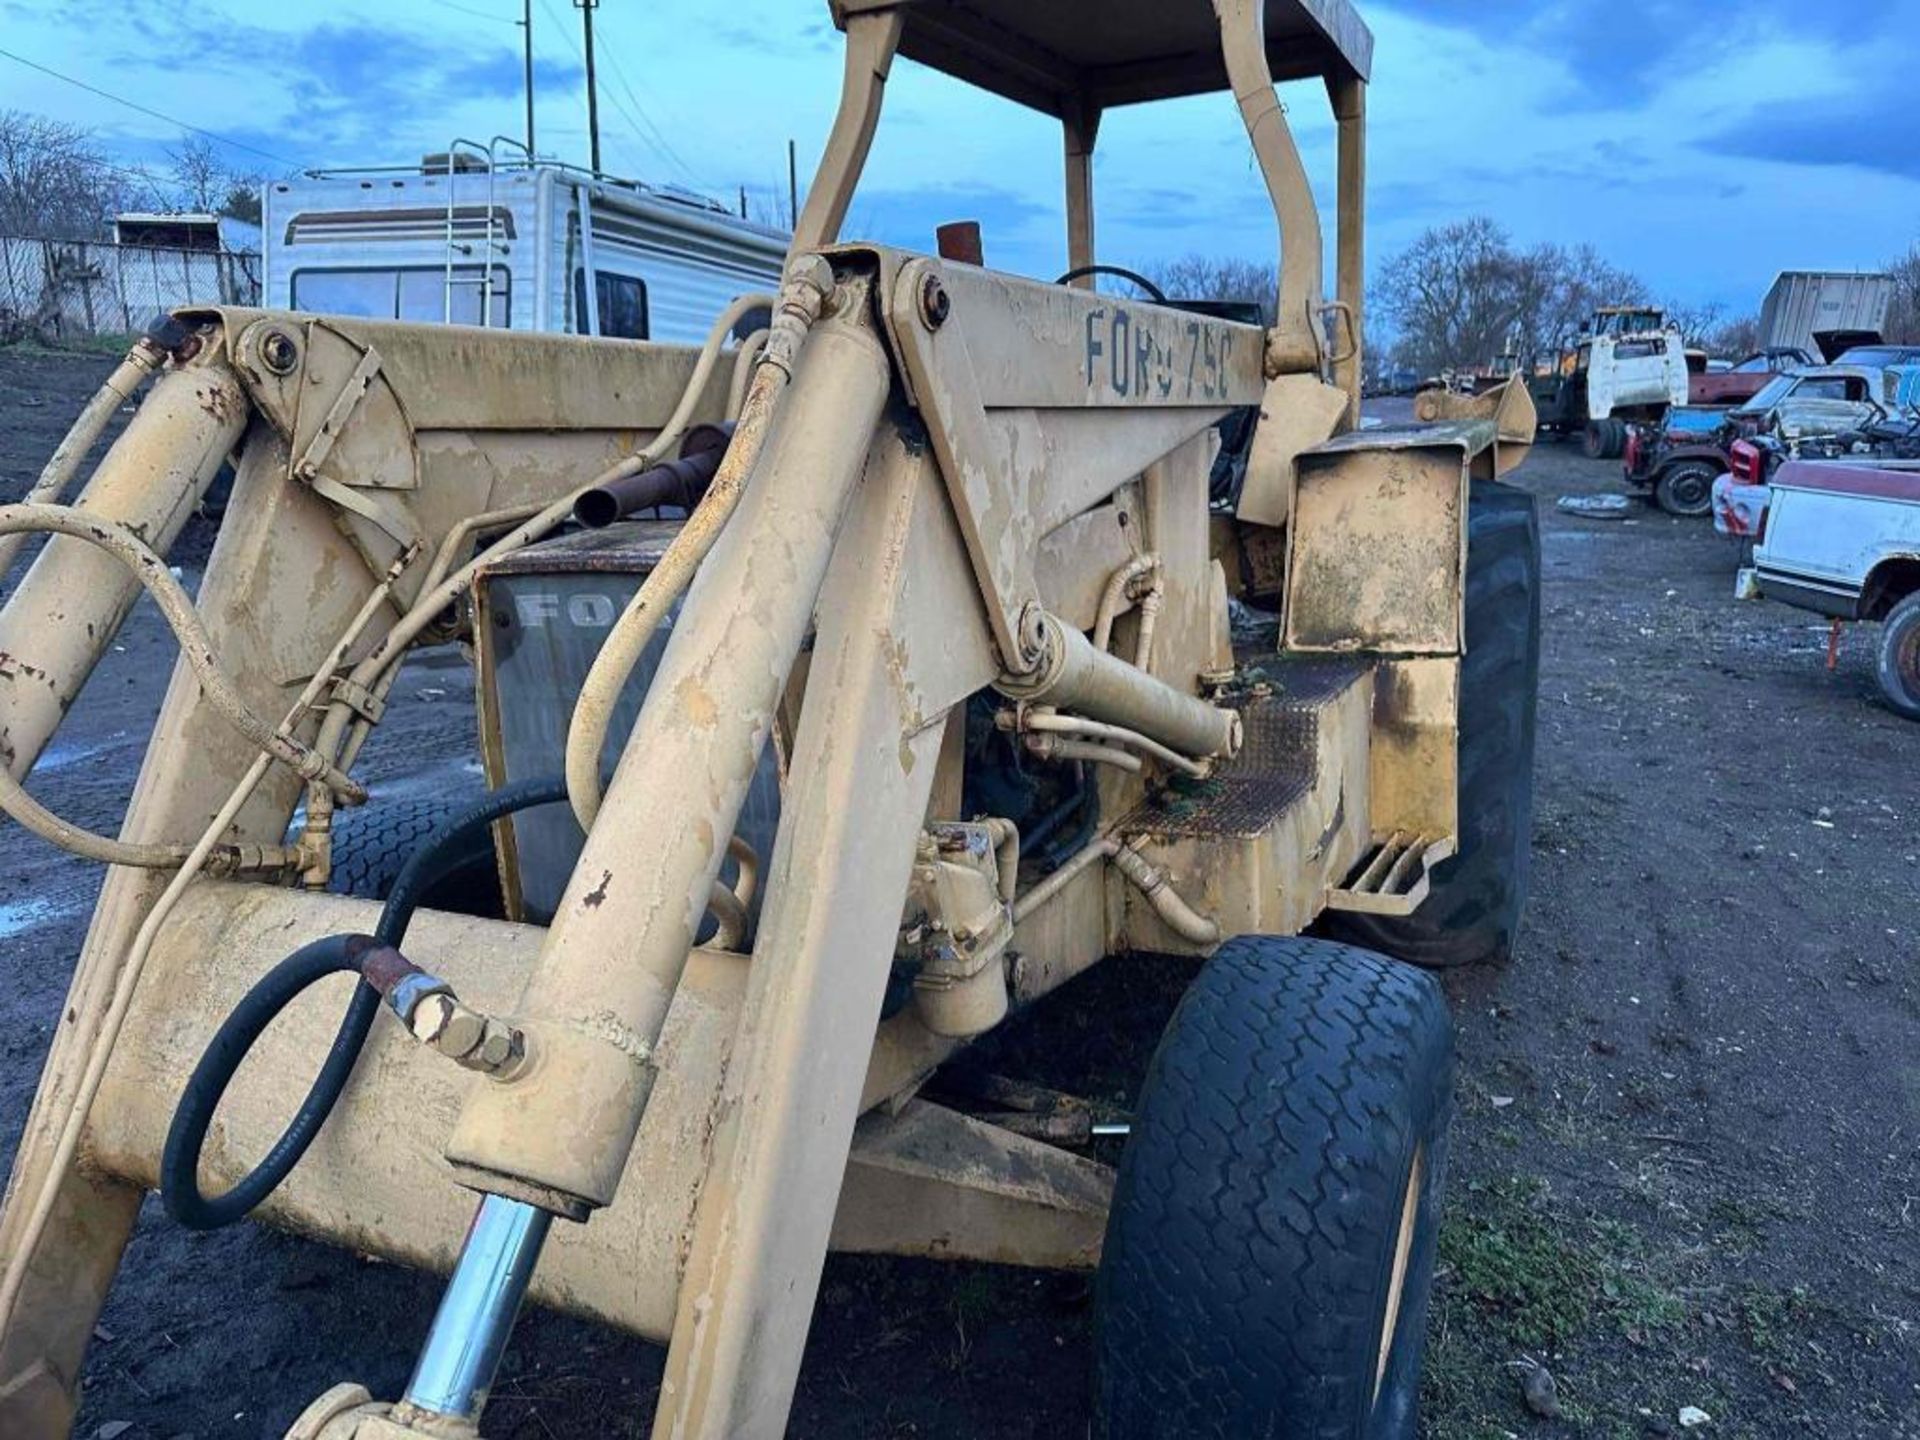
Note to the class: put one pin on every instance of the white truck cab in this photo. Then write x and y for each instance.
(478, 236)
(1634, 361)
(1628, 363)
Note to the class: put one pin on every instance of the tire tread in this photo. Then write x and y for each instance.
(1241, 1290)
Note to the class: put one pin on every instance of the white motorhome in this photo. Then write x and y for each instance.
(475, 237)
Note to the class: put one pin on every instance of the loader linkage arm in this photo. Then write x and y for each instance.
(960, 515)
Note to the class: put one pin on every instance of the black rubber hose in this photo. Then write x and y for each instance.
(1132, 277)
(336, 954)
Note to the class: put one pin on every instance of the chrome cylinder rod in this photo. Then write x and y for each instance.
(476, 1314)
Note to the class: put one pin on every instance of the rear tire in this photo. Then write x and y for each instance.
(1686, 489)
(1593, 440)
(370, 845)
(1473, 908)
(1269, 1251)
(1899, 664)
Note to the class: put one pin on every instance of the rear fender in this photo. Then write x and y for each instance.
(1715, 454)
(1891, 580)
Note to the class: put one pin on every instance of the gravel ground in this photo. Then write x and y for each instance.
(1685, 1165)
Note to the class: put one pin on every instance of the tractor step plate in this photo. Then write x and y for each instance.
(1278, 764)
(1393, 877)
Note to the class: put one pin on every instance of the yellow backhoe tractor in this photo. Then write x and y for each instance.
(963, 672)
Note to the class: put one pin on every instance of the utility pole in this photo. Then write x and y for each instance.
(793, 186)
(526, 25)
(586, 9)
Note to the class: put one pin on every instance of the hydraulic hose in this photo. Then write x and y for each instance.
(344, 729)
(802, 300)
(177, 608)
(336, 954)
(41, 1200)
(148, 354)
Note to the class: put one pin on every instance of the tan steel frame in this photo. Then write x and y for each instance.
(1068, 430)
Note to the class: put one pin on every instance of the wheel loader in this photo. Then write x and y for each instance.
(960, 672)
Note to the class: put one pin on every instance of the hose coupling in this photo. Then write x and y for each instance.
(803, 299)
(438, 1019)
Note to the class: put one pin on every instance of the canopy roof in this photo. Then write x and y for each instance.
(1057, 54)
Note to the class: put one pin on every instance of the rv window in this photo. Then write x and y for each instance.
(416, 293)
(423, 295)
(354, 292)
(623, 304)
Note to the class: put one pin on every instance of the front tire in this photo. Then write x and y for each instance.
(1472, 911)
(1686, 489)
(1899, 662)
(1270, 1246)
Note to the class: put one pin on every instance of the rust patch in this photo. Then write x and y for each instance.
(599, 892)
(218, 402)
(13, 667)
(698, 704)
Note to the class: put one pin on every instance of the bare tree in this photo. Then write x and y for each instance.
(1699, 325)
(1203, 277)
(1462, 294)
(1903, 314)
(200, 177)
(55, 182)
(1735, 339)
(1583, 282)
(1452, 294)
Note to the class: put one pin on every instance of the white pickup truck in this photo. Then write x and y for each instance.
(1843, 539)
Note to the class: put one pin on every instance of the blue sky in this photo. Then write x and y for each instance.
(1703, 144)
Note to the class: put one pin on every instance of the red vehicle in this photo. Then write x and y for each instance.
(1745, 380)
(1677, 460)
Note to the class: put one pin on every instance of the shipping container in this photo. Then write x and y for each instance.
(1805, 303)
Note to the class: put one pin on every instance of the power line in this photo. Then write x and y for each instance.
(153, 114)
(469, 10)
(640, 131)
(659, 138)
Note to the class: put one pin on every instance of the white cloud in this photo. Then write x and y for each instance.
(1479, 114)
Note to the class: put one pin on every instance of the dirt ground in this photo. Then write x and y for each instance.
(1685, 1165)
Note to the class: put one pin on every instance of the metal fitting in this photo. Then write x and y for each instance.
(935, 304)
(805, 296)
(471, 1040)
(166, 335)
(1156, 888)
(279, 352)
(1035, 651)
(436, 1018)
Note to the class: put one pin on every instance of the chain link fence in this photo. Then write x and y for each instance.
(62, 290)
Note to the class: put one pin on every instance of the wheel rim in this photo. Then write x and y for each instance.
(1906, 661)
(1691, 489)
(1402, 1253)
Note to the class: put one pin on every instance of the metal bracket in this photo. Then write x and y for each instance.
(990, 489)
(307, 465)
(359, 699)
(390, 515)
